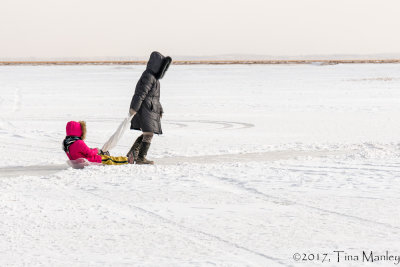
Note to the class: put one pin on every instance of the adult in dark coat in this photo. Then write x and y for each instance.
(146, 106)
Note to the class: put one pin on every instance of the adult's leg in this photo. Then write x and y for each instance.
(147, 136)
(135, 147)
(146, 141)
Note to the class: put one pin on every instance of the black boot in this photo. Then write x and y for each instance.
(142, 154)
(135, 148)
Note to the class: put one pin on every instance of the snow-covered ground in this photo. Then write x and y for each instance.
(256, 163)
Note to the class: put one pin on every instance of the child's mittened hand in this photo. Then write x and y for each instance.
(106, 153)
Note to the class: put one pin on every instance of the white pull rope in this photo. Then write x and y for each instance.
(114, 139)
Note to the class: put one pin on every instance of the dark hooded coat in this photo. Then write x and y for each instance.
(146, 100)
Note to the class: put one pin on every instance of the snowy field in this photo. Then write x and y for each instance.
(256, 163)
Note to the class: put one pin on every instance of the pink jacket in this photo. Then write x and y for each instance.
(79, 149)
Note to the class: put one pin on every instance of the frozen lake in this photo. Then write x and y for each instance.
(256, 163)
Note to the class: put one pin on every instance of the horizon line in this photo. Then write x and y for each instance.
(204, 62)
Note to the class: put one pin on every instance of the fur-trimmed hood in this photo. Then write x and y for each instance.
(75, 128)
(158, 64)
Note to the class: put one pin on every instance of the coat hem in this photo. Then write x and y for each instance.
(138, 129)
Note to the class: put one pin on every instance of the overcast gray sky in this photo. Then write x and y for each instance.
(100, 28)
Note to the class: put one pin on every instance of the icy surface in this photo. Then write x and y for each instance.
(256, 163)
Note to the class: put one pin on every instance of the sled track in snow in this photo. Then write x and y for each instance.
(37, 170)
(41, 170)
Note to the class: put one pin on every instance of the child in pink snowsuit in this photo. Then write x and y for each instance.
(75, 147)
